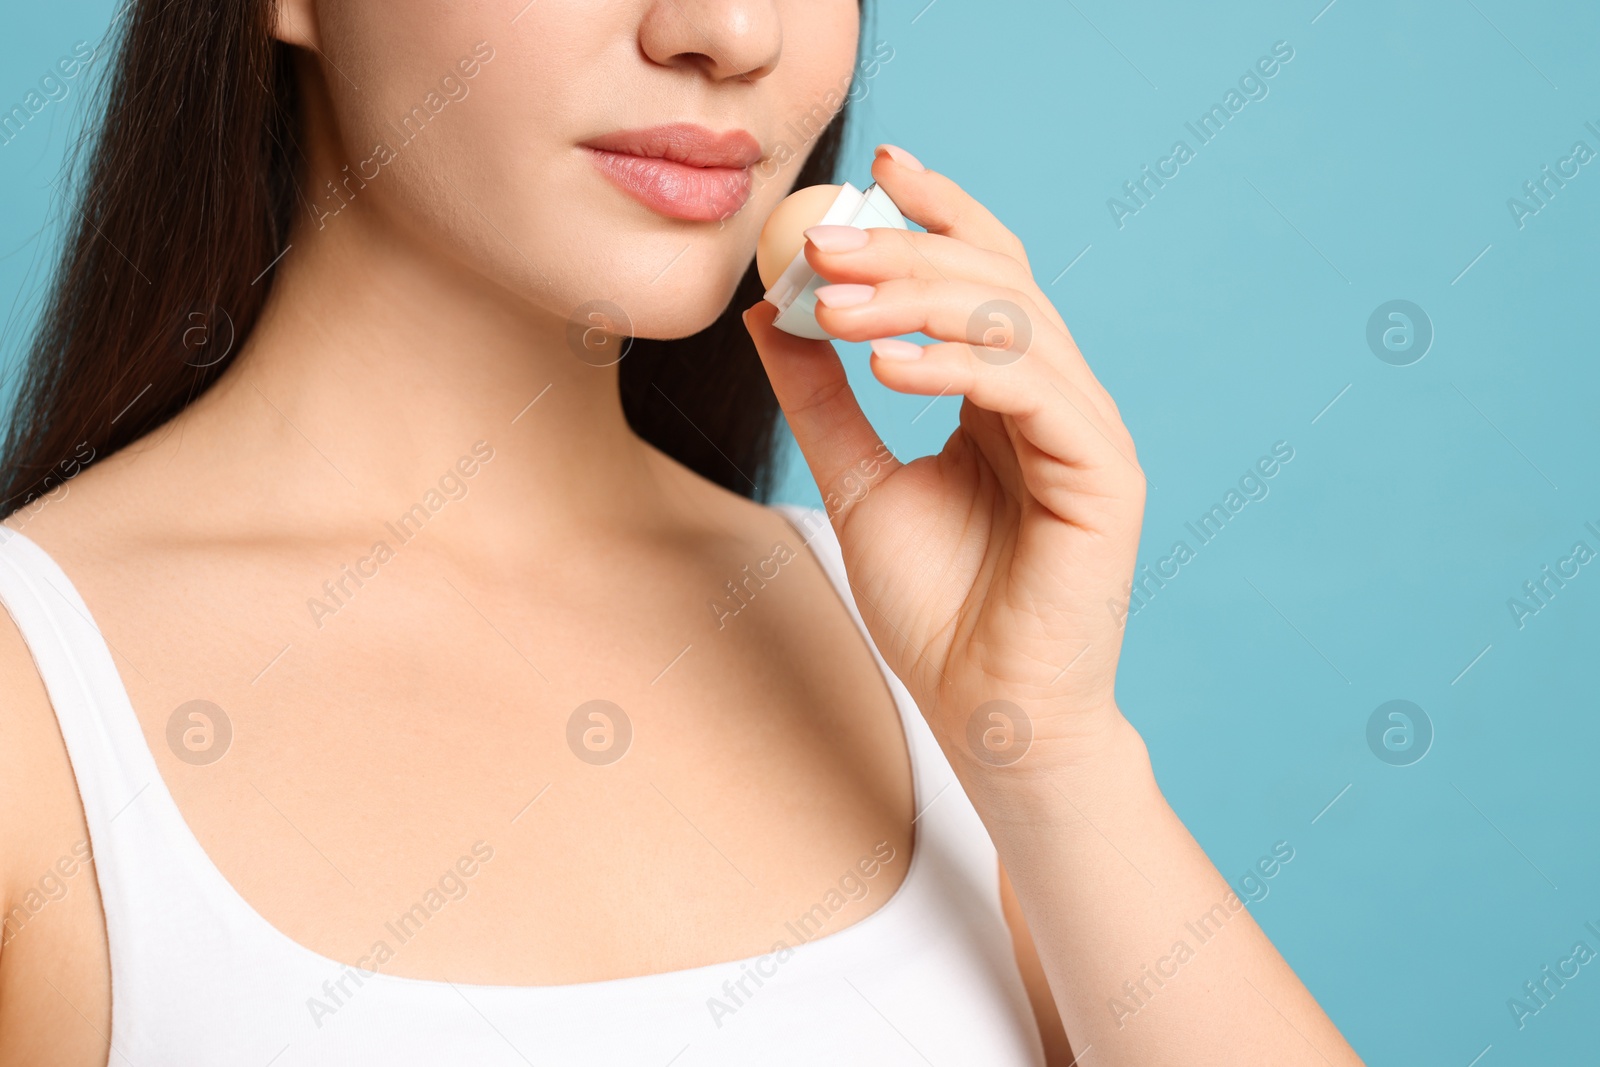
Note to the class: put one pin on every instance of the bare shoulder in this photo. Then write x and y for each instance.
(52, 922)
(720, 513)
(38, 795)
(89, 508)
(41, 815)
(32, 754)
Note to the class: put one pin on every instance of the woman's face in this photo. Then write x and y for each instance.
(469, 127)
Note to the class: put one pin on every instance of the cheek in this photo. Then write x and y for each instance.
(812, 82)
(383, 58)
(404, 81)
(463, 124)
(495, 178)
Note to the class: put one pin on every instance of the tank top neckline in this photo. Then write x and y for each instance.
(105, 684)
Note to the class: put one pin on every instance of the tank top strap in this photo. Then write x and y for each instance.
(107, 748)
(941, 804)
(145, 858)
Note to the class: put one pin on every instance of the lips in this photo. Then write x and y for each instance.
(680, 170)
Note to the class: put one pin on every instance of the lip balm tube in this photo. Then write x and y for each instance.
(795, 292)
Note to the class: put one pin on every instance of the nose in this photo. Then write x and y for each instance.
(722, 39)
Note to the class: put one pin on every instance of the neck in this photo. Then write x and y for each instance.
(376, 365)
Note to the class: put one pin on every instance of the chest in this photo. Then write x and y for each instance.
(555, 778)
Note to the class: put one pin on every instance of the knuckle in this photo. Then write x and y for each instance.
(1003, 320)
(1021, 277)
(900, 291)
(886, 244)
(821, 399)
(946, 214)
(849, 329)
(1111, 402)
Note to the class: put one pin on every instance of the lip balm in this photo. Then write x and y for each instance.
(780, 253)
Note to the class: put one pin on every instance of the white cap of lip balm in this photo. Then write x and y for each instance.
(795, 292)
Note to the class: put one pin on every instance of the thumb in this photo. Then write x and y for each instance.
(842, 450)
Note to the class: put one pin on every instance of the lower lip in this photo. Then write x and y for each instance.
(677, 190)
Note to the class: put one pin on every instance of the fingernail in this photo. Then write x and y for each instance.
(837, 238)
(901, 156)
(889, 348)
(844, 296)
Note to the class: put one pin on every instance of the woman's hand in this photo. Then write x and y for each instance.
(992, 578)
(993, 570)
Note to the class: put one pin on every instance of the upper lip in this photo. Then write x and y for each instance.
(683, 142)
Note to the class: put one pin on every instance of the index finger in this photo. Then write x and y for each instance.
(939, 205)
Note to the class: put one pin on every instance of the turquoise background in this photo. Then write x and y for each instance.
(1227, 315)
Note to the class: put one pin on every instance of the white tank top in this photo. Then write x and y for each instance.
(198, 977)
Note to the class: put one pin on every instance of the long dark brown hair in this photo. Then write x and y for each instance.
(184, 187)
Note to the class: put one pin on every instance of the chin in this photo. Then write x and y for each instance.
(665, 304)
(669, 319)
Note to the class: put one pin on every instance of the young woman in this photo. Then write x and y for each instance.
(407, 673)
